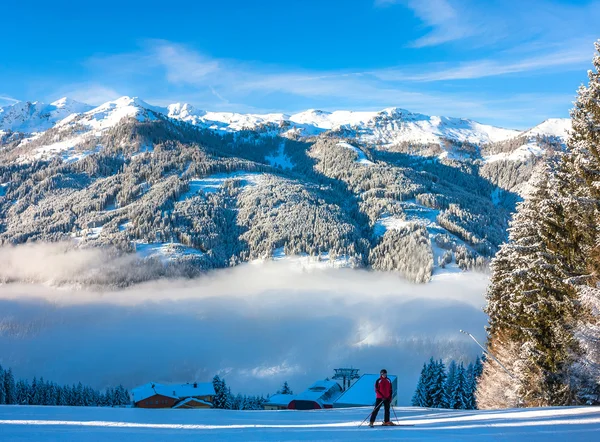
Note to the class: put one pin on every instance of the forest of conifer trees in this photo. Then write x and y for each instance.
(41, 392)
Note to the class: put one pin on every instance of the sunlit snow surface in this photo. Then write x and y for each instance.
(130, 424)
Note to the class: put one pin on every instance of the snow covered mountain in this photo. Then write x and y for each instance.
(388, 190)
(37, 117)
(384, 129)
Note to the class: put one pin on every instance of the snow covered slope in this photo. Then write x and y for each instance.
(87, 423)
(552, 127)
(37, 117)
(535, 141)
(111, 113)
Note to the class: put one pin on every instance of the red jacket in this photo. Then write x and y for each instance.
(383, 388)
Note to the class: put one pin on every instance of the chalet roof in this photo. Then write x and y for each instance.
(321, 391)
(175, 391)
(190, 399)
(281, 399)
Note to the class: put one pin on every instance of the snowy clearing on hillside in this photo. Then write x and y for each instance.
(166, 251)
(307, 262)
(519, 154)
(388, 222)
(214, 183)
(362, 158)
(87, 423)
(91, 233)
(66, 149)
(280, 159)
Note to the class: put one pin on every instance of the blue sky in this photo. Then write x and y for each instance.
(505, 62)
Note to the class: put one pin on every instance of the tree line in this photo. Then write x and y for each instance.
(453, 387)
(41, 392)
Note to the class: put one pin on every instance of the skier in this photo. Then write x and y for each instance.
(383, 391)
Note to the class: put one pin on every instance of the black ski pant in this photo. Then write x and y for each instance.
(386, 404)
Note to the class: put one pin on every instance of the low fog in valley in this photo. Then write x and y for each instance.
(257, 325)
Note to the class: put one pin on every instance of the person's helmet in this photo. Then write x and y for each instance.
(383, 370)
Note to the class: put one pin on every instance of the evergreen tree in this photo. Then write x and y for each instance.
(10, 387)
(471, 386)
(543, 300)
(421, 397)
(437, 385)
(450, 387)
(285, 389)
(109, 397)
(459, 396)
(529, 302)
(221, 393)
(78, 395)
(229, 398)
(582, 200)
(34, 395)
(60, 396)
(22, 393)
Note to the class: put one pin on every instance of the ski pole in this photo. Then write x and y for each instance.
(370, 414)
(395, 415)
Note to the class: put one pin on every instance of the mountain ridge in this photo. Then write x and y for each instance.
(317, 120)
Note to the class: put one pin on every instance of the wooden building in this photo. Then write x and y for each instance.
(154, 395)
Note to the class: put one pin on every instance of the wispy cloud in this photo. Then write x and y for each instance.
(184, 65)
(8, 99)
(440, 17)
(91, 93)
(447, 25)
(489, 23)
(222, 84)
(572, 58)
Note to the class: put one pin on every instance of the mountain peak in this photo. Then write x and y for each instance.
(130, 101)
(183, 111)
(62, 102)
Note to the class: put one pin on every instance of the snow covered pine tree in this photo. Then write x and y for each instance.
(544, 301)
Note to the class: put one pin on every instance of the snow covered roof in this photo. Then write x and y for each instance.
(321, 391)
(362, 392)
(175, 391)
(281, 399)
(191, 399)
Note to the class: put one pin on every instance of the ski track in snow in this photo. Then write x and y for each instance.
(91, 423)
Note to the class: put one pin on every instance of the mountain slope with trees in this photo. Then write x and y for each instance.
(184, 196)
